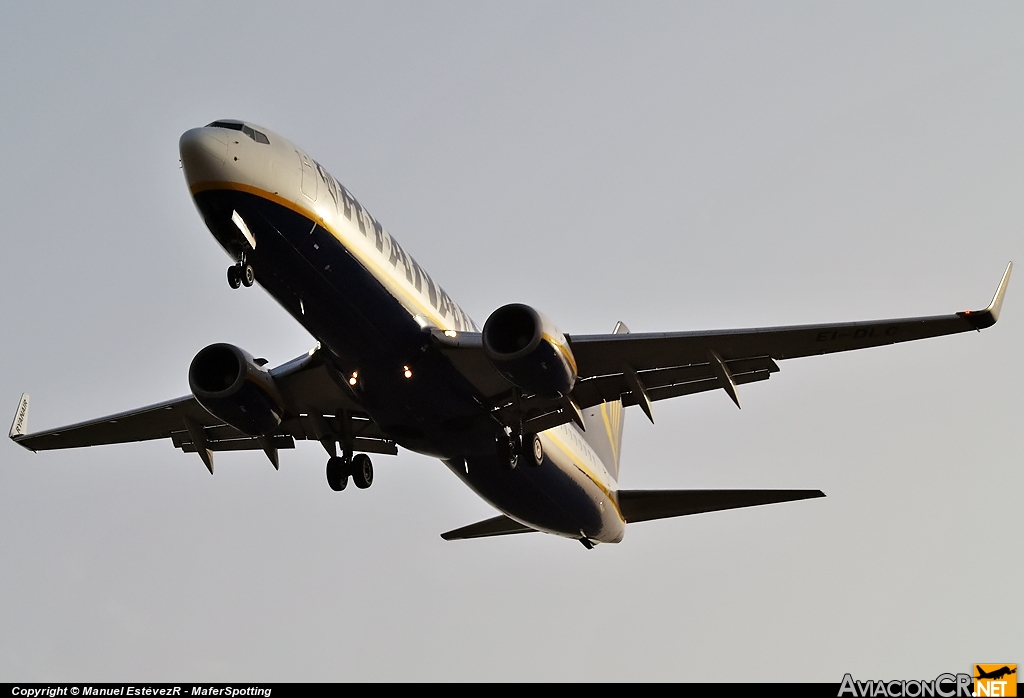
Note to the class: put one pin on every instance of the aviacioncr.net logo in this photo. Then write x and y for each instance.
(942, 686)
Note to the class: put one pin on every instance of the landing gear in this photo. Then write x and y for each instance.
(532, 443)
(508, 447)
(241, 274)
(362, 471)
(337, 473)
(359, 467)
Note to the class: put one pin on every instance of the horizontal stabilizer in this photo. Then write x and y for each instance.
(498, 526)
(647, 505)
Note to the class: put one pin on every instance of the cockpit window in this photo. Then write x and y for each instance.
(233, 125)
(257, 136)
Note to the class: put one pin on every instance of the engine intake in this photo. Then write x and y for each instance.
(231, 386)
(529, 350)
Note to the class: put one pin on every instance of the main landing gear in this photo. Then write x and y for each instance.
(508, 446)
(358, 467)
(241, 274)
(513, 447)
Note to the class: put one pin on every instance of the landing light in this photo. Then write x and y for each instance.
(451, 333)
(243, 228)
(407, 372)
(354, 378)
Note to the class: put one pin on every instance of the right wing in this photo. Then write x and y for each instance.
(653, 366)
(642, 368)
(316, 407)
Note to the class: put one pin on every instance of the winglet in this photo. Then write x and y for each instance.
(19, 427)
(980, 319)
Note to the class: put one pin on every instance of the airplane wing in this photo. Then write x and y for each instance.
(316, 407)
(642, 368)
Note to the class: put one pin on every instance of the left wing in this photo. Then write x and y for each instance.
(317, 407)
(642, 368)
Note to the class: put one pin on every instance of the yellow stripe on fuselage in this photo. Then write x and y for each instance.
(611, 432)
(375, 267)
(576, 460)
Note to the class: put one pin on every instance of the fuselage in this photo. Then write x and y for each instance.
(372, 308)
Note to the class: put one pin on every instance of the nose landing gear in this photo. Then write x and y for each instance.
(241, 274)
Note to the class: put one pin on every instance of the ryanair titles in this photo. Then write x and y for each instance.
(389, 249)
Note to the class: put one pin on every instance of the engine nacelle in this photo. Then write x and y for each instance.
(231, 386)
(527, 349)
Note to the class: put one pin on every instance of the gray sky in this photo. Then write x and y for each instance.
(675, 166)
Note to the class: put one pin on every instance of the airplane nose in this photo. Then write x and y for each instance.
(203, 154)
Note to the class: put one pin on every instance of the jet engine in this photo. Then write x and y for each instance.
(527, 349)
(233, 387)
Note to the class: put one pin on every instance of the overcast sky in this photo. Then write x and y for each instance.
(675, 166)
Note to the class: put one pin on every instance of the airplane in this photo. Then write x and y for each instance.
(529, 417)
(995, 674)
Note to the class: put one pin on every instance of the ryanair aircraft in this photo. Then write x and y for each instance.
(527, 416)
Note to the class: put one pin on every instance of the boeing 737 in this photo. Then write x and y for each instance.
(530, 418)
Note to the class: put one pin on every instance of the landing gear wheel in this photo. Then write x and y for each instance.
(362, 471)
(532, 441)
(248, 275)
(234, 276)
(337, 473)
(508, 447)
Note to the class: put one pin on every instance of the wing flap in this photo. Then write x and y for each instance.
(648, 505)
(248, 443)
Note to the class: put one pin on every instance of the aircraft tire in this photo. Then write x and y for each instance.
(536, 449)
(337, 475)
(248, 275)
(362, 471)
(234, 277)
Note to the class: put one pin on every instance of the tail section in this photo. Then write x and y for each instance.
(604, 426)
